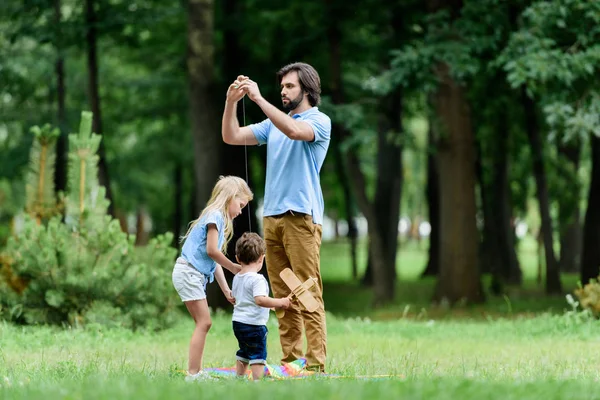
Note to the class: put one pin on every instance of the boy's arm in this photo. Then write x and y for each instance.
(269, 302)
(212, 249)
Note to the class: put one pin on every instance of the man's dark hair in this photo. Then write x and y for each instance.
(308, 77)
(249, 247)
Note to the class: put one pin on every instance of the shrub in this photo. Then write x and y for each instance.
(79, 267)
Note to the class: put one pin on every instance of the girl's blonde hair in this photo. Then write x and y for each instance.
(226, 189)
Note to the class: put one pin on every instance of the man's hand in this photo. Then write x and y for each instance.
(234, 92)
(251, 88)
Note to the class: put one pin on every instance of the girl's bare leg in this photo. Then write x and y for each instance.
(199, 311)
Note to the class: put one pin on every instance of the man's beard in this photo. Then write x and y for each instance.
(292, 104)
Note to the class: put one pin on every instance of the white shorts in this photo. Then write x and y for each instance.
(189, 282)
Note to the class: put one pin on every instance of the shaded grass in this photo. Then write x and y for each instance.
(346, 296)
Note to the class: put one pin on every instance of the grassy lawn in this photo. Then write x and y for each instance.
(508, 349)
(546, 356)
(345, 296)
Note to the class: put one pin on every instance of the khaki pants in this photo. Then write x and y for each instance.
(294, 241)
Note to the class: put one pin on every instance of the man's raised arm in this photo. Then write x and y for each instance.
(230, 127)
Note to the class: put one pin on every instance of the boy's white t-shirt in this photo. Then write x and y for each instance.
(244, 288)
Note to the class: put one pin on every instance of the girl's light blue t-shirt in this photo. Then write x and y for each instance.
(194, 247)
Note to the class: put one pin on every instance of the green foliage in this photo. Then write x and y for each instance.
(8, 208)
(86, 199)
(589, 297)
(90, 276)
(464, 43)
(39, 183)
(556, 56)
(85, 270)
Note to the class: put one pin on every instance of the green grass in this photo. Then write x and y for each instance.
(545, 356)
(522, 346)
(345, 296)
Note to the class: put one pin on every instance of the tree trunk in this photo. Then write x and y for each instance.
(388, 189)
(459, 278)
(569, 211)
(204, 120)
(142, 233)
(590, 258)
(237, 159)
(60, 172)
(337, 95)
(94, 94)
(433, 205)
(383, 287)
(489, 259)
(367, 278)
(510, 270)
(177, 203)
(203, 117)
(498, 238)
(385, 210)
(553, 283)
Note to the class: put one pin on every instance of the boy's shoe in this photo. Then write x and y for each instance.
(200, 376)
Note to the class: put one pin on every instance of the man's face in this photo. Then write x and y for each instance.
(291, 92)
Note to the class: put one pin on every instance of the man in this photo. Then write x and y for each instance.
(297, 143)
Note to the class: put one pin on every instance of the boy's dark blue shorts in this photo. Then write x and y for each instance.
(252, 340)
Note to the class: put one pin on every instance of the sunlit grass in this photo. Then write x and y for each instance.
(548, 355)
(518, 346)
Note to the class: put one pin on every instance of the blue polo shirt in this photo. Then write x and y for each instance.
(293, 166)
(194, 247)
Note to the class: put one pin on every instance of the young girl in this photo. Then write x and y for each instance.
(202, 258)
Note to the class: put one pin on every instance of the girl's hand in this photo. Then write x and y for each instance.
(235, 268)
(229, 296)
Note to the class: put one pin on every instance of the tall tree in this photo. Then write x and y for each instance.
(236, 160)
(553, 283)
(334, 35)
(204, 127)
(494, 134)
(569, 210)
(432, 193)
(554, 57)
(94, 95)
(382, 212)
(60, 173)
(590, 258)
(459, 277)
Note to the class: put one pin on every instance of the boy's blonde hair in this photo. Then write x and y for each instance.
(226, 189)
